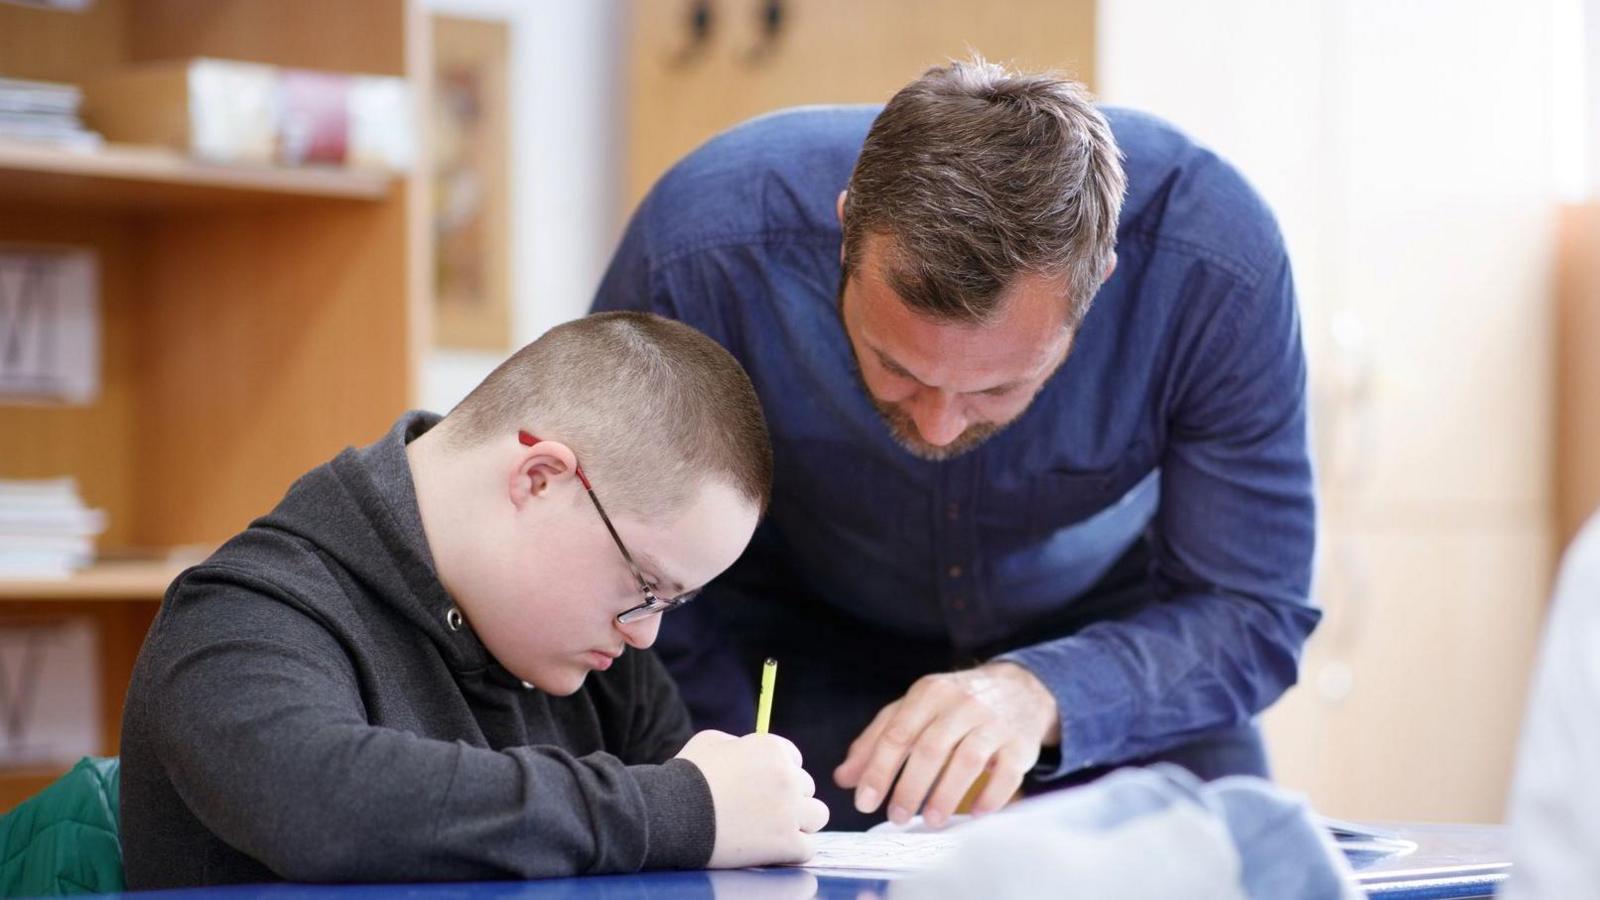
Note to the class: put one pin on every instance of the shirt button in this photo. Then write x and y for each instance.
(954, 572)
(958, 604)
(952, 511)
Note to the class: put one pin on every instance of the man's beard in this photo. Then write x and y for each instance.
(901, 426)
(905, 433)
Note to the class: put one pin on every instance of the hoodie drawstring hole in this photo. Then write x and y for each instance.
(452, 617)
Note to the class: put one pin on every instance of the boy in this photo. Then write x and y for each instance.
(417, 666)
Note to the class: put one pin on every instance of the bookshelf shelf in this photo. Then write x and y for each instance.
(123, 175)
(113, 580)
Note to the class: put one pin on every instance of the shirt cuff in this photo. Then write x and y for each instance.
(680, 820)
(1096, 707)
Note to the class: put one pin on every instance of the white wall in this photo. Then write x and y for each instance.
(565, 85)
(1408, 150)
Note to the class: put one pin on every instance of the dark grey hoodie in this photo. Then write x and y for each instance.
(309, 706)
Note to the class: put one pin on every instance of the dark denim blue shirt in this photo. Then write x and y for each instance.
(1176, 424)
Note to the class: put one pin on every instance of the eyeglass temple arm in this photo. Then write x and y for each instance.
(529, 440)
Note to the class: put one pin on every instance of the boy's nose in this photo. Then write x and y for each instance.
(641, 634)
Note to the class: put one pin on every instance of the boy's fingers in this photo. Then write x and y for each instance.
(813, 815)
(789, 748)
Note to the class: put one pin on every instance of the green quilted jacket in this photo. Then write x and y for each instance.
(63, 840)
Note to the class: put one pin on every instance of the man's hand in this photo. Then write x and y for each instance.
(992, 719)
(765, 804)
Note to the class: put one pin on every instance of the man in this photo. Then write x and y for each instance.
(1042, 503)
(424, 663)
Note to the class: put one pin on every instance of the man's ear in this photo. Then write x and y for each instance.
(1110, 267)
(838, 206)
(540, 466)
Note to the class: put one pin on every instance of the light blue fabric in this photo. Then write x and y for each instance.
(1153, 832)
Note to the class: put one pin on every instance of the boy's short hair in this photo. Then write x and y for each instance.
(651, 407)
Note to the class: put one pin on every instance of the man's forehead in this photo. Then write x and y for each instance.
(1022, 342)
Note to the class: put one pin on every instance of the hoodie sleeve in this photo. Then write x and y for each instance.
(659, 726)
(258, 721)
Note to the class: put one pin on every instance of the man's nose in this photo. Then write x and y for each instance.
(938, 420)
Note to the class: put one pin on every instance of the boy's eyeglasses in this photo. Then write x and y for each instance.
(652, 605)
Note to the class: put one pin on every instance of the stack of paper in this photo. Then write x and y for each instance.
(43, 111)
(46, 530)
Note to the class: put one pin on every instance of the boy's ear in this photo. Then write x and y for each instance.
(539, 466)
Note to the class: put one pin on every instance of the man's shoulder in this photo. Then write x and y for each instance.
(1185, 198)
(774, 176)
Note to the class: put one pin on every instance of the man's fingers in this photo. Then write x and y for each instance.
(848, 773)
(1011, 763)
(900, 733)
(928, 757)
(969, 760)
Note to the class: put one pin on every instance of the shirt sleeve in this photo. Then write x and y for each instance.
(258, 721)
(1221, 635)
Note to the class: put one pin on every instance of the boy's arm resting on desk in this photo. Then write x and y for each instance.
(255, 712)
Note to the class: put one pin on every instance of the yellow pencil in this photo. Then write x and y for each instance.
(769, 677)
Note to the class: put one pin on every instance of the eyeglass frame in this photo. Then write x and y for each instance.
(653, 605)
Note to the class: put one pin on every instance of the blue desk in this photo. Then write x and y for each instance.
(1451, 861)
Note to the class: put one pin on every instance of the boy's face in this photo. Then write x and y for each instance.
(545, 600)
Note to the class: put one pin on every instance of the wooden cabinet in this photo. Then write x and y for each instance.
(682, 90)
(254, 320)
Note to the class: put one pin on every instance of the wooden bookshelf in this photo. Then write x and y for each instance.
(254, 320)
(120, 175)
(110, 580)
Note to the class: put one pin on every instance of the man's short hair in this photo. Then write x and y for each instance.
(652, 408)
(977, 174)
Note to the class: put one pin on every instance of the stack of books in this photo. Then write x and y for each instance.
(46, 530)
(43, 111)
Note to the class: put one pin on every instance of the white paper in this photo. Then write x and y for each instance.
(878, 852)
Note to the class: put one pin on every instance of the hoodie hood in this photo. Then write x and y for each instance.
(360, 510)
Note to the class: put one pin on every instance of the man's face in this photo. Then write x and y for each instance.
(545, 604)
(944, 388)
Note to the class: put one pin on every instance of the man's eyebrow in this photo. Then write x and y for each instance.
(900, 370)
(895, 367)
(1006, 388)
